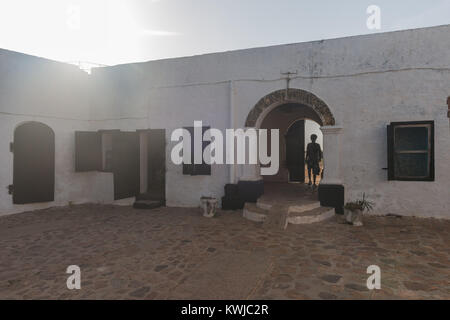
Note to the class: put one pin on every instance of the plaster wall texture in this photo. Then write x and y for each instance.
(56, 94)
(366, 81)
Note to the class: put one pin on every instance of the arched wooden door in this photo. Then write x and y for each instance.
(295, 151)
(34, 163)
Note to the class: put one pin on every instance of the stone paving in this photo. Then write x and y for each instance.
(175, 253)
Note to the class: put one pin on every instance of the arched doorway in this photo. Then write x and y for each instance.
(34, 163)
(331, 190)
(290, 120)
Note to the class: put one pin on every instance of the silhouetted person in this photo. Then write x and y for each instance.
(313, 157)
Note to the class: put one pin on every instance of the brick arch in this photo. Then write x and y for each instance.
(299, 96)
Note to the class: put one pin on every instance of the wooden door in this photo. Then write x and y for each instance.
(125, 164)
(295, 151)
(34, 163)
(157, 163)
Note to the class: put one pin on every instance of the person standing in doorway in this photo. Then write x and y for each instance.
(313, 158)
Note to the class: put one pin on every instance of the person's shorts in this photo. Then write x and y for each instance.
(315, 168)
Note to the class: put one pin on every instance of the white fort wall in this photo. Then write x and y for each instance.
(366, 81)
(56, 94)
(166, 108)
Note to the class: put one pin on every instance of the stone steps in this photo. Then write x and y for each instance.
(149, 200)
(310, 216)
(149, 196)
(277, 217)
(254, 213)
(147, 204)
(308, 206)
(294, 205)
(281, 214)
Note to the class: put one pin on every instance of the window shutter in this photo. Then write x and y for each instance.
(188, 169)
(390, 152)
(202, 169)
(88, 151)
(411, 151)
(34, 164)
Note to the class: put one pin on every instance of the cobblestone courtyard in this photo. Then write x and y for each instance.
(172, 253)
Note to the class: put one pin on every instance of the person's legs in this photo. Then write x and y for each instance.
(316, 171)
(309, 174)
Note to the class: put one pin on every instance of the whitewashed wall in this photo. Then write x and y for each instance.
(35, 89)
(367, 82)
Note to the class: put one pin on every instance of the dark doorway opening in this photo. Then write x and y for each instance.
(152, 169)
(34, 163)
(295, 123)
(125, 164)
(157, 164)
(295, 154)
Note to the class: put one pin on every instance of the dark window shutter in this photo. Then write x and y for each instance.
(88, 151)
(390, 152)
(202, 169)
(411, 151)
(432, 168)
(188, 168)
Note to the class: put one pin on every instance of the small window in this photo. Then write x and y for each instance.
(192, 169)
(88, 155)
(411, 151)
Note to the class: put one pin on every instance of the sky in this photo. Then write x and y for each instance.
(110, 32)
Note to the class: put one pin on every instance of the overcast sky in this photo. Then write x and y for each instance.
(119, 31)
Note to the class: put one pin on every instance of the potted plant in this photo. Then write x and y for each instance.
(353, 210)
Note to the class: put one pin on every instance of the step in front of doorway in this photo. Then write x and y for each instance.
(147, 204)
(293, 205)
(310, 212)
(252, 212)
(317, 214)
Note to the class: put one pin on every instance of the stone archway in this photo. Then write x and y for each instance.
(279, 97)
(331, 189)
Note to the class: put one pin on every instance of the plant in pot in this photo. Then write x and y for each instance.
(353, 210)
